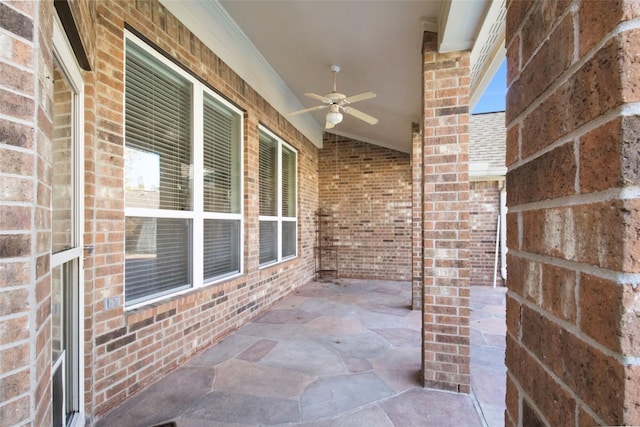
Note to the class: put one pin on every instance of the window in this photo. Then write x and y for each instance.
(66, 261)
(278, 199)
(183, 188)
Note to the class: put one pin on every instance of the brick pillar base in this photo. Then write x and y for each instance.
(445, 222)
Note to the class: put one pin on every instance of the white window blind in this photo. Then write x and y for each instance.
(268, 158)
(288, 183)
(221, 247)
(221, 154)
(289, 226)
(183, 171)
(158, 121)
(278, 199)
(268, 241)
(157, 261)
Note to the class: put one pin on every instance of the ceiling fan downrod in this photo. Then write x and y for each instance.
(335, 69)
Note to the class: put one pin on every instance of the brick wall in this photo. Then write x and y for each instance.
(132, 349)
(25, 180)
(445, 218)
(484, 207)
(368, 190)
(416, 218)
(572, 152)
(123, 350)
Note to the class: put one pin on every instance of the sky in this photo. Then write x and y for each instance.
(493, 98)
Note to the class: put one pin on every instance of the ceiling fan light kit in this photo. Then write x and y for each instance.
(334, 117)
(337, 102)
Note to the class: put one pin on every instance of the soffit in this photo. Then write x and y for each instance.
(284, 49)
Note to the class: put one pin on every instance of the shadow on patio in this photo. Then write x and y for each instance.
(340, 353)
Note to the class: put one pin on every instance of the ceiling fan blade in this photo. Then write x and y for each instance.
(328, 125)
(359, 97)
(306, 110)
(360, 115)
(319, 98)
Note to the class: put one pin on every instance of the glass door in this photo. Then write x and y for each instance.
(66, 239)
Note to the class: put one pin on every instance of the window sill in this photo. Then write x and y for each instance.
(275, 263)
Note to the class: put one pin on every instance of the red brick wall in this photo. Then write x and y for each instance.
(445, 218)
(368, 189)
(124, 350)
(484, 207)
(25, 180)
(417, 190)
(132, 349)
(572, 152)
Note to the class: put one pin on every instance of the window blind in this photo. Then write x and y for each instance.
(221, 248)
(288, 183)
(268, 167)
(221, 159)
(268, 241)
(157, 260)
(162, 122)
(157, 121)
(289, 238)
(278, 226)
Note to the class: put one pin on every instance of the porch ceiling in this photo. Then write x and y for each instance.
(284, 49)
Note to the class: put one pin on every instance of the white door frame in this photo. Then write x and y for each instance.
(66, 59)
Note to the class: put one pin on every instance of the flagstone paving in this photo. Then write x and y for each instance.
(338, 353)
(488, 372)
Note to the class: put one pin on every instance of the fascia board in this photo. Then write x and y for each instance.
(458, 24)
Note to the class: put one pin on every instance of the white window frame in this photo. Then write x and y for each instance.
(279, 218)
(67, 60)
(197, 215)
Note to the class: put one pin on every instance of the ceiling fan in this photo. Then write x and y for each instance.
(337, 102)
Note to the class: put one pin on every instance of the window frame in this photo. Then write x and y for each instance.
(63, 54)
(197, 215)
(279, 218)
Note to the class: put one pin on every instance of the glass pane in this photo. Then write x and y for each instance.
(221, 158)
(288, 182)
(289, 229)
(268, 176)
(157, 258)
(64, 333)
(268, 241)
(142, 179)
(62, 186)
(57, 312)
(57, 398)
(221, 248)
(158, 162)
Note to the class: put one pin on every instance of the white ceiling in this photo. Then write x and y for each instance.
(285, 48)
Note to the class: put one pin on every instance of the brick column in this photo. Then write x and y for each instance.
(416, 217)
(445, 222)
(26, 90)
(573, 144)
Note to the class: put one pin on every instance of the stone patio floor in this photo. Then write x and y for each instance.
(336, 353)
(488, 372)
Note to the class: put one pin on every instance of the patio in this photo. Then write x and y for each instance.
(335, 353)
